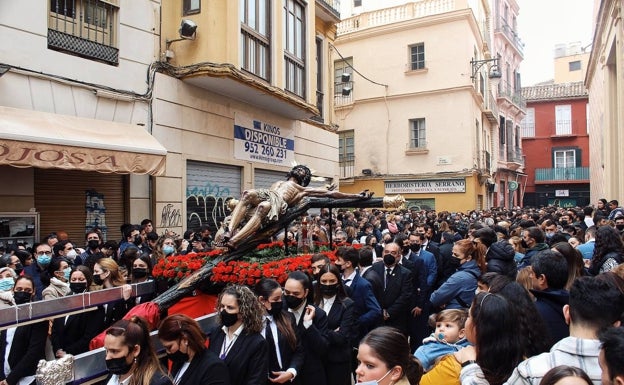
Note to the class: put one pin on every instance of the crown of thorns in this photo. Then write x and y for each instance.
(301, 173)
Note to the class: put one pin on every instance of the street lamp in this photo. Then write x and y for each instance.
(493, 68)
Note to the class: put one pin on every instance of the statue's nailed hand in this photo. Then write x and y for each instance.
(366, 194)
(331, 187)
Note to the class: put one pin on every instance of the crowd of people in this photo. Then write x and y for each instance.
(515, 296)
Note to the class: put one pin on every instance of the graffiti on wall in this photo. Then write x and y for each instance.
(170, 216)
(206, 205)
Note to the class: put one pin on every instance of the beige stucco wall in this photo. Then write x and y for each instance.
(195, 124)
(562, 68)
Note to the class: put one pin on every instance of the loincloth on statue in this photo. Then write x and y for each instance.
(278, 205)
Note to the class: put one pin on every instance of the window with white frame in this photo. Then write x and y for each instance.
(418, 135)
(574, 65)
(294, 47)
(86, 28)
(343, 78)
(255, 50)
(346, 153)
(565, 158)
(417, 56)
(563, 119)
(528, 123)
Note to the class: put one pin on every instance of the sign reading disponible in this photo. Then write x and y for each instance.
(425, 186)
(258, 141)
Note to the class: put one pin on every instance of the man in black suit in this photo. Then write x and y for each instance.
(366, 261)
(397, 295)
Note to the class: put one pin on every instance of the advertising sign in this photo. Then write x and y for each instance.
(264, 142)
(425, 186)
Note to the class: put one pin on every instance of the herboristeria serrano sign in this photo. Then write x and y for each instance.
(425, 186)
(264, 142)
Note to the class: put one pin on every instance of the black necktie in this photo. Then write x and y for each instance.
(388, 274)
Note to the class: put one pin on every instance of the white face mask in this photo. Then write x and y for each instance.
(71, 254)
(373, 382)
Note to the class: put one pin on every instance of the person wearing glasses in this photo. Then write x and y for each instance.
(130, 355)
(43, 257)
(22, 346)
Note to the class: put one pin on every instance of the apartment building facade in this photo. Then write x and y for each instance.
(416, 104)
(119, 110)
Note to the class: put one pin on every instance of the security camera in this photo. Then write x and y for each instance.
(188, 29)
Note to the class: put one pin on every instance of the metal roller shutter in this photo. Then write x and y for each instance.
(208, 187)
(60, 197)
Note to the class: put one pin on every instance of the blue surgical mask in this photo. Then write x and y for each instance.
(6, 284)
(168, 249)
(44, 260)
(66, 273)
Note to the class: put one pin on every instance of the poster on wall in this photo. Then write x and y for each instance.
(96, 212)
(263, 142)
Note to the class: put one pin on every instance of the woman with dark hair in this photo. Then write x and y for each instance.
(330, 295)
(492, 327)
(22, 347)
(237, 339)
(57, 274)
(385, 358)
(574, 259)
(106, 273)
(286, 353)
(312, 326)
(192, 362)
(459, 289)
(142, 272)
(71, 334)
(608, 250)
(562, 374)
(532, 329)
(130, 356)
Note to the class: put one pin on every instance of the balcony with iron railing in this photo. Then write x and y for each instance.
(562, 174)
(399, 13)
(328, 10)
(510, 157)
(510, 34)
(508, 91)
(491, 108)
(346, 163)
(565, 128)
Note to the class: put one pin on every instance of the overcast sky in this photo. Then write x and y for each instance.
(541, 25)
(544, 23)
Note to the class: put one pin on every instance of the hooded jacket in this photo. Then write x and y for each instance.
(500, 259)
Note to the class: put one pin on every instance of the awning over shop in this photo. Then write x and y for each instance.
(46, 140)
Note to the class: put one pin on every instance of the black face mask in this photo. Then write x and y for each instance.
(98, 280)
(415, 247)
(328, 290)
(18, 268)
(93, 244)
(405, 249)
(388, 259)
(276, 308)
(77, 287)
(228, 319)
(618, 226)
(21, 297)
(340, 268)
(138, 240)
(118, 366)
(524, 244)
(178, 356)
(139, 272)
(293, 302)
(563, 223)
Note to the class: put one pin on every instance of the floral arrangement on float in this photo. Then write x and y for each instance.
(268, 260)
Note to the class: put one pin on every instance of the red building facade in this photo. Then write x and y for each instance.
(555, 142)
